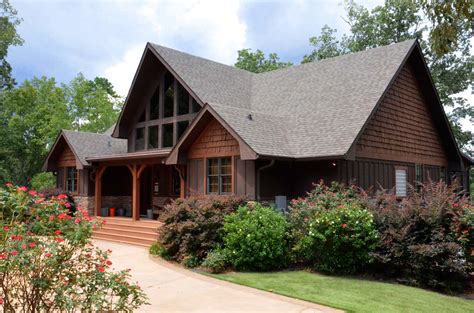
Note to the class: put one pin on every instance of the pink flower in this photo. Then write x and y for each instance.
(47, 254)
(57, 232)
(67, 205)
(108, 262)
(14, 252)
(103, 222)
(41, 194)
(23, 246)
(32, 244)
(39, 201)
(5, 228)
(22, 188)
(101, 269)
(344, 225)
(32, 192)
(77, 220)
(62, 196)
(1, 300)
(59, 239)
(52, 217)
(62, 216)
(3, 256)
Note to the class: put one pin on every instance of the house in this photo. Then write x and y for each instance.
(191, 126)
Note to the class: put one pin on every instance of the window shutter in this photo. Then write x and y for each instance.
(401, 183)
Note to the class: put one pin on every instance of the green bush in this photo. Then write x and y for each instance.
(191, 261)
(157, 249)
(193, 226)
(43, 180)
(256, 239)
(427, 238)
(215, 261)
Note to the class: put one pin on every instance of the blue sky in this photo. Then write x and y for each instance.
(106, 38)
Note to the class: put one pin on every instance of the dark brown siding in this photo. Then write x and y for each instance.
(195, 177)
(214, 141)
(245, 178)
(402, 128)
(66, 158)
(376, 174)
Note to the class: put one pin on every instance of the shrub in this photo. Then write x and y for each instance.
(330, 229)
(256, 239)
(191, 261)
(157, 249)
(43, 180)
(48, 262)
(193, 226)
(427, 238)
(215, 261)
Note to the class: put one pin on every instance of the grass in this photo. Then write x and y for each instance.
(349, 294)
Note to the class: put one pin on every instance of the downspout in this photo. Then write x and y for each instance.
(258, 176)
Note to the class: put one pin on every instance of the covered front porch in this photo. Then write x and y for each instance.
(136, 183)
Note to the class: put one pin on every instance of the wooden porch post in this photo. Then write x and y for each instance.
(98, 188)
(136, 171)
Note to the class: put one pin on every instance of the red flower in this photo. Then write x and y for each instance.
(39, 201)
(62, 196)
(32, 192)
(22, 188)
(62, 216)
(41, 194)
(32, 244)
(23, 246)
(57, 232)
(344, 225)
(101, 269)
(3, 256)
(1, 300)
(14, 252)
(77, 220)
(5, 228)
(47, 254)
(8, 184)
(455, 205)
(108, 263)
(68, 205)
(59, 239)
(52, 217)
(18, 237)
(103, 222)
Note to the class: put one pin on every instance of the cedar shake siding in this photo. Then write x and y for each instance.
(66, 158)
(402, 128)
(214, 141)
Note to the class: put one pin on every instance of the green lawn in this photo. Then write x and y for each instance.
(351, 295)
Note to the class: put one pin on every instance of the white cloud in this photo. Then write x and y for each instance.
(211, 29)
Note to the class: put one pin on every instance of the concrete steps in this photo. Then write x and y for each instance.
(125, 230)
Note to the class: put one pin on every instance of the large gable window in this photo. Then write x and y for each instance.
(401, 181)
(219, 176)
(71, 179)
(165, 116)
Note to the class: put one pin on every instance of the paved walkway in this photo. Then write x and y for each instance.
(171, 288)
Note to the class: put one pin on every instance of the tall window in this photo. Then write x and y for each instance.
(183, 100)
(167, 135)
(219, 176)
(71, 179)
(140, 139)
(168, 109)
(155, 105)
(152, 137)
(401, 182)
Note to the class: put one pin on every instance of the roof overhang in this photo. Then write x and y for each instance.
(47, 166)
(197, 126)
(132, 156)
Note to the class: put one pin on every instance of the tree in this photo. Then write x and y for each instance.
(399, 20)
(8, 37)
(33, 114)
(451, 22)
(257, 63)
(326, 45)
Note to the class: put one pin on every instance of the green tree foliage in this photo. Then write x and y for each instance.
(256, 62)
(399, 20)
(451, 23)
(8, 37)
(33, 113)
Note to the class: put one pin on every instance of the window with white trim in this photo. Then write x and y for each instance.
(401, 182)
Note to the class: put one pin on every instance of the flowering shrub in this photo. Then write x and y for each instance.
(426, 239)
(47, 260)
(192, 227)
(256, 239)
(215, 261)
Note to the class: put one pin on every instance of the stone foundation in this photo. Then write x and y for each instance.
(118, 202)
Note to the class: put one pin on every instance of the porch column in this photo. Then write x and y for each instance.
(182, 182)
(136, 170)
(98, 188)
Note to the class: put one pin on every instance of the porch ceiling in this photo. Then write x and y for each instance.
(132, 157)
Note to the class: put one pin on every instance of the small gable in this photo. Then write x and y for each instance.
(214, 141)
(402, 129)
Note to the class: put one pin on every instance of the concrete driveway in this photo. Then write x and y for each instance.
(171, 288)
